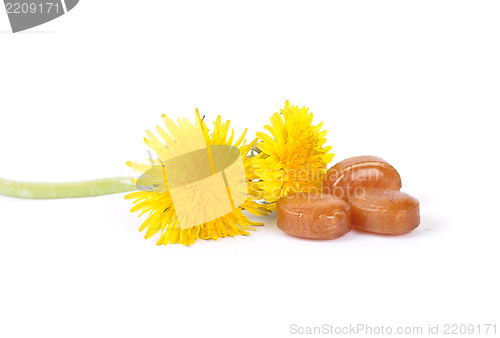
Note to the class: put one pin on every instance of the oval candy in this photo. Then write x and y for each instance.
(350, 176)
(388, 212)
(314, 216)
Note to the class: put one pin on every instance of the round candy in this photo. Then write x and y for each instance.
(314, 216)
(388, 212)
(350, 176)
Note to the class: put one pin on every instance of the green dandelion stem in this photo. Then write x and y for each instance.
(39, 190)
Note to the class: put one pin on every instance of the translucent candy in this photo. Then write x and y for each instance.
(315, 216)
(350, 176)
(388, 212)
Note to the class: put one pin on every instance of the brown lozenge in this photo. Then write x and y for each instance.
(388, 212)
(350, 176)
(314, 216)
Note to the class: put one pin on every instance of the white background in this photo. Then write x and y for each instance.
(415, 82)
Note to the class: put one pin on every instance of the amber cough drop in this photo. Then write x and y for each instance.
(314, 216)
(350, 176)
(387, 212)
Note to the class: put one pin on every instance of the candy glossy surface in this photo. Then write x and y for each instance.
(352, 175)
(388, 212)
(314, 216)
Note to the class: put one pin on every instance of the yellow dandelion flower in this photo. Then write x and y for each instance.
(293, 157)
(202, 181)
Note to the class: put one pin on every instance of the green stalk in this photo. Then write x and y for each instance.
(39, 190)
